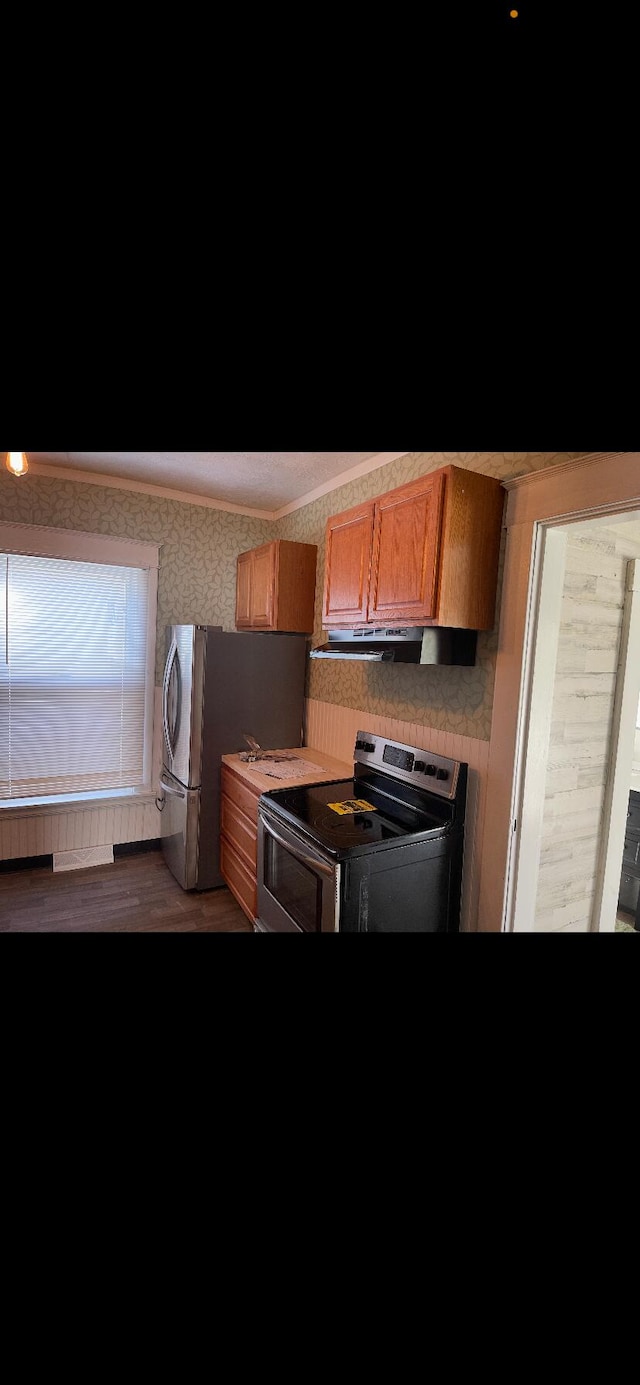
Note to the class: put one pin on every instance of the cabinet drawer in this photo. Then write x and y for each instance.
(242, 885)
(240, 794)
(240, 832)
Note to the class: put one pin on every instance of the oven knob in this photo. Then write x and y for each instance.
(442, 774)
(431, 769)
(368, 745)
(420, 764)
(361, 745)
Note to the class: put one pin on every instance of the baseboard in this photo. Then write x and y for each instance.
(134, 848)
(41, 862)
(26, 863)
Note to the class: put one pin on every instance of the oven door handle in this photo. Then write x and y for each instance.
(307, 860)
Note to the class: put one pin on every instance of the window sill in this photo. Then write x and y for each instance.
(74, 802)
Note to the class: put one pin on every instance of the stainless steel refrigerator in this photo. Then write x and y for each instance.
(217, 687)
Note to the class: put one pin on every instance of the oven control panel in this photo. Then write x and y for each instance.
(423, 768)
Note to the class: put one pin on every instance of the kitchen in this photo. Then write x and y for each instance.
(446, 710)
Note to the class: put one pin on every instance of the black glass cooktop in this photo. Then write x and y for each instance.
(350, 814)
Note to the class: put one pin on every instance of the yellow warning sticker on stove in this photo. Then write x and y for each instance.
(352, 805)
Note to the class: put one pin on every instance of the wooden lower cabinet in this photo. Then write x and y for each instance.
(239, 879)
(239, 840)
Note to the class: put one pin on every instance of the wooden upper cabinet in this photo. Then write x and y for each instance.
(263, 587)
(347, 566)
(243, 590)
(276, 585)
(423, 554)
(406, 544)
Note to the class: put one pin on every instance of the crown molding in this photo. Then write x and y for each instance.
(380, 459)
(118, 483)
(531, 478)
(96, 478)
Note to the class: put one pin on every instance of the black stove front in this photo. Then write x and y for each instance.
(378, 853)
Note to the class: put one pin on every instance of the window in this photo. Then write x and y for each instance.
(77, 637)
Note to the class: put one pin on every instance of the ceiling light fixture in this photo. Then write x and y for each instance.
(17, 463)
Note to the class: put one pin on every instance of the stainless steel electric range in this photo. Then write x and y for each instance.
(378, 853)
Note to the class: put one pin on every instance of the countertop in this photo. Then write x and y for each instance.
(328, 768)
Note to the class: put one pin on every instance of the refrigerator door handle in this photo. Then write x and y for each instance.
(171, 663)
(168, 788)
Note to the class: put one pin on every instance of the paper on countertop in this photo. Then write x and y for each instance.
(288, 769)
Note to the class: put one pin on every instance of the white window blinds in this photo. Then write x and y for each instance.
(73, 675)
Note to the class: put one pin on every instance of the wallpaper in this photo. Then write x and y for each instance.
(197, 576)
(448, 699)
(198, 545)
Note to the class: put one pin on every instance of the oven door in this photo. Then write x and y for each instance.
(298, 888)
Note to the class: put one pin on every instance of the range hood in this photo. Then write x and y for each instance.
(401, 645)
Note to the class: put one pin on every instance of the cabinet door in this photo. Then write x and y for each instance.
(243, 590)
(263, 581)
(347, 566)
(406, 542)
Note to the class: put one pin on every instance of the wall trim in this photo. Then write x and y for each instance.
(119, 483)
(522, 884)
(97, 478)
(530, 477)
(363, 469)
(77, 545)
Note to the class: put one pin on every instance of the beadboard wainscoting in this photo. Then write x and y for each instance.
(56, 827)
(333, 730)
(46, 832)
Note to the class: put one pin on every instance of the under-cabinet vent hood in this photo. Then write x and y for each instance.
(401, 645)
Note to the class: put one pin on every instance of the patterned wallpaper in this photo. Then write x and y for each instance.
(198, 551)
(198, 545)
(448, 699)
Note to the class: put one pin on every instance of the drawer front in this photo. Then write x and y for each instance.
(240, 882)
(240, 832)
(629, 892)
(240, 794)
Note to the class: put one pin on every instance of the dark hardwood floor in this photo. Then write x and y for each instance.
(137, 894)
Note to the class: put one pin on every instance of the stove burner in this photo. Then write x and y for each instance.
(350, 830)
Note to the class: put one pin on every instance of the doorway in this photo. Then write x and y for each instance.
(566, 699)
(578, 745)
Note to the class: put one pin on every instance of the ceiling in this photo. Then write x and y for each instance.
(263, 481)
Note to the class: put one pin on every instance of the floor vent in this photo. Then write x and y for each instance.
(84, 857)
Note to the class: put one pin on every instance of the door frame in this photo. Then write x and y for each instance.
(598, 485)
